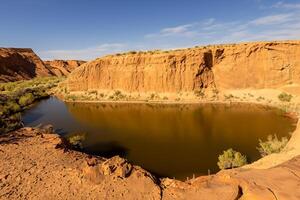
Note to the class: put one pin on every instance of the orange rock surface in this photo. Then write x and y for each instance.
(246, 65)
(63, 67)
(21, 64)
(36, 165)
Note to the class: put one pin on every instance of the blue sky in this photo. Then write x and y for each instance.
(77, 29)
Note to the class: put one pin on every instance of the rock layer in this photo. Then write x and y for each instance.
(63, 67)
(21, 64)
(248, 65)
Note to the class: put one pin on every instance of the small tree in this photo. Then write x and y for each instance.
(231, 159)
(272, 145)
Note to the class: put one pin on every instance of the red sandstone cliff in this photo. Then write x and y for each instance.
(246, 65)
(20, 64)
(63, 67)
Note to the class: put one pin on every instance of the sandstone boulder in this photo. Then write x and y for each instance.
(116, 166)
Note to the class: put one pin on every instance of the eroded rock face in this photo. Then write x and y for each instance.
(21, 64)
(63, 67)
(256, 65)
(249, 65)
(164, 72)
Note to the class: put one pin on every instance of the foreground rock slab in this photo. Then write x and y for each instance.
(33, 166)
(38, 165)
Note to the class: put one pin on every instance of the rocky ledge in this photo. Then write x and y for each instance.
(36, 164)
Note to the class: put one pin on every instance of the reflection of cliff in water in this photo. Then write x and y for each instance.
(180, 120)
(156, 136)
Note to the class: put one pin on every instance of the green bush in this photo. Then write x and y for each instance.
(14, 96)
(26, 99)
(13, 106)
(231, 159)
(117, 95)
(285, 97)
(76, 140)
(272, 145)
(199, 93)
(228, 97)
(72, 97)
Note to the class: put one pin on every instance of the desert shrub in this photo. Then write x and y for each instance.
(132, 52)
(153, 96)
(41, 93)
(117, 95)
(271, 145)
(71, 97)
(93, 92)
(285, 97)
(10, 123)
(250, 95)
(215, 91)
(231, 159)
(76, 140)
(15, 96)
(165, 98)
(199, 93)
(260, 98)
(13, 106)
(26, 99)
(228, 97)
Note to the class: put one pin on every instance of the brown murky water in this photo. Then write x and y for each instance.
(168, 140)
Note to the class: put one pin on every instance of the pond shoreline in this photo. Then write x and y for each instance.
(271, 100)
(64, 171)
(231, 181)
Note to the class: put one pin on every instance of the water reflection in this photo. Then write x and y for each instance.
(170, 140)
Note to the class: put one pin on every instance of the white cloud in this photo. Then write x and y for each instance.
(273, 19)
(182, 30)
(208, 21)
(177, 29)
(83, 54)
(281, 4)
(282, 24)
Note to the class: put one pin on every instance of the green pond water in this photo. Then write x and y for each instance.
(168, 140)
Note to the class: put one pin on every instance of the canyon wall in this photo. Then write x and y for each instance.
(247, 65)
(21, 64)
(257, 65)
(63, 67)
(184, 70)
